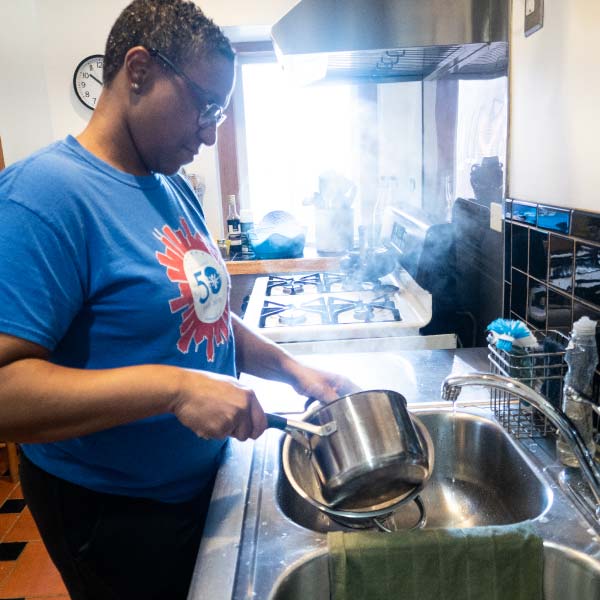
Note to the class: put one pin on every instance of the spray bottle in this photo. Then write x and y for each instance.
(582, 359)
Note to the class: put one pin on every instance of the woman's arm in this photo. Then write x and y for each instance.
(41, 401)
(256, 355)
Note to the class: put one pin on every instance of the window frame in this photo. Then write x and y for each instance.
(231, 143)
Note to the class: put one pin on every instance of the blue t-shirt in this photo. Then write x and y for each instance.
(106, 269)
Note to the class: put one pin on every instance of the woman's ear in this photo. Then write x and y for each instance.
(138, 68)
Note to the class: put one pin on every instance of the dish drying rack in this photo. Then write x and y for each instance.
(543, 371)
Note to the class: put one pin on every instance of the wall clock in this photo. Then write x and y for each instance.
(87, 80)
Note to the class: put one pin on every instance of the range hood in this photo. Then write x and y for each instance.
(393, 40)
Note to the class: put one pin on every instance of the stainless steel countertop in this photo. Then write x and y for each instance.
(233, 560)
(416, 374)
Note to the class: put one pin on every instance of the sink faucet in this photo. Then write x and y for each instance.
(454, 383)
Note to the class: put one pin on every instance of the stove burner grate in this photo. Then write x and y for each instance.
(294, 314)
(293, 286)
(344, 282)
(364, 311)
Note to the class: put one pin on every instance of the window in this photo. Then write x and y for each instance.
(292, 135)
(285, 136)
(281, 137)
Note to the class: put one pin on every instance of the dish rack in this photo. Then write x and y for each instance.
(543, 371)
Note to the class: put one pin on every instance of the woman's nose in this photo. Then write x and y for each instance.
(208, 134)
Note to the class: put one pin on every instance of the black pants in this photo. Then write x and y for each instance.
(109, 547)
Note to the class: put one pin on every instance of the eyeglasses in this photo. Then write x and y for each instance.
(209, 113)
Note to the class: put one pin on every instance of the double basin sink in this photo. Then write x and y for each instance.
(481, 477)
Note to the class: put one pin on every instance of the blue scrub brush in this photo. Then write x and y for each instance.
(506, 334)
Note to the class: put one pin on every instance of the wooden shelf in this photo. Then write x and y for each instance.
(311, 261)
(284, 265)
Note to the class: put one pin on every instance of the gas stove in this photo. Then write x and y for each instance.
(319, 306)
(328, 309)
(304, 309)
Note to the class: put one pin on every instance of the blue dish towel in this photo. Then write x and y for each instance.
(485, 563)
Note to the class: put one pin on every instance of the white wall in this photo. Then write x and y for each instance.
(400, 138)
(41, 43)
(555, 106)
(24, 112)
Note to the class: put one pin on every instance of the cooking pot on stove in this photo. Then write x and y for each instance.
(375, 457)
(369, 265)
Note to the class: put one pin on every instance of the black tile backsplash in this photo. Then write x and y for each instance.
(562, 254)
(560, 311)
(552, 267)
(587, 272)
(520, 247)
(518, 296)
(537, 307)
(552, 264)
(586, 225)
(538, 254)
(507, 252)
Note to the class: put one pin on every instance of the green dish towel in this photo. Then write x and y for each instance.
(485, 563)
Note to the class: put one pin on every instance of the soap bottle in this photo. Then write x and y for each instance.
(234, 233)
(582, 358)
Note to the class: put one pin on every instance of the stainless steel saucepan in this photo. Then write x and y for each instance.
(374, 455)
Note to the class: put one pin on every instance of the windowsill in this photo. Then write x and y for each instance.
(310, 261)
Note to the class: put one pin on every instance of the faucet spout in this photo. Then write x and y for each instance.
(453, 384)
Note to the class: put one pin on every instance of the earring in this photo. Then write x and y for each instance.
(135, 86)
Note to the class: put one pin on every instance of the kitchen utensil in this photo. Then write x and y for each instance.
(370, 265)
(290, 425)
(302, 476)
(336, 191)
(375, 451)
(334, 230)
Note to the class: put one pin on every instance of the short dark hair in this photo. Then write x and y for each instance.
(178, 28)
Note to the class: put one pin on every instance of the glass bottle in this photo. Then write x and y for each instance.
(246, 227)
(234, 233)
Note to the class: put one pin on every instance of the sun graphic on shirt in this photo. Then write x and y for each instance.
(194, 266)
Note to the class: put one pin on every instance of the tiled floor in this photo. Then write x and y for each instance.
(26, 571)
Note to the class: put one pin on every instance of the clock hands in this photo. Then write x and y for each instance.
(95, 79)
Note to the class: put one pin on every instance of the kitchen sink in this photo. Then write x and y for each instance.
(480, 478)
(568, 574)
(262, 540)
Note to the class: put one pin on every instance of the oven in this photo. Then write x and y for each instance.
(345, 311)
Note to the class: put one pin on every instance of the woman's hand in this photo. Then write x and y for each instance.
(321, 385)
(217, 406)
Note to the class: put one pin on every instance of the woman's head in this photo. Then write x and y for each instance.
(177, 28)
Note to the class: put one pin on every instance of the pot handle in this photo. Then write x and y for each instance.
(290, 425)
(276, 421)
(310, 401)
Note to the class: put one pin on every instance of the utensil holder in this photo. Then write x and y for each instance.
(543, 371)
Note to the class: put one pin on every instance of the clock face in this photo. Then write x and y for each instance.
(87, 80)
